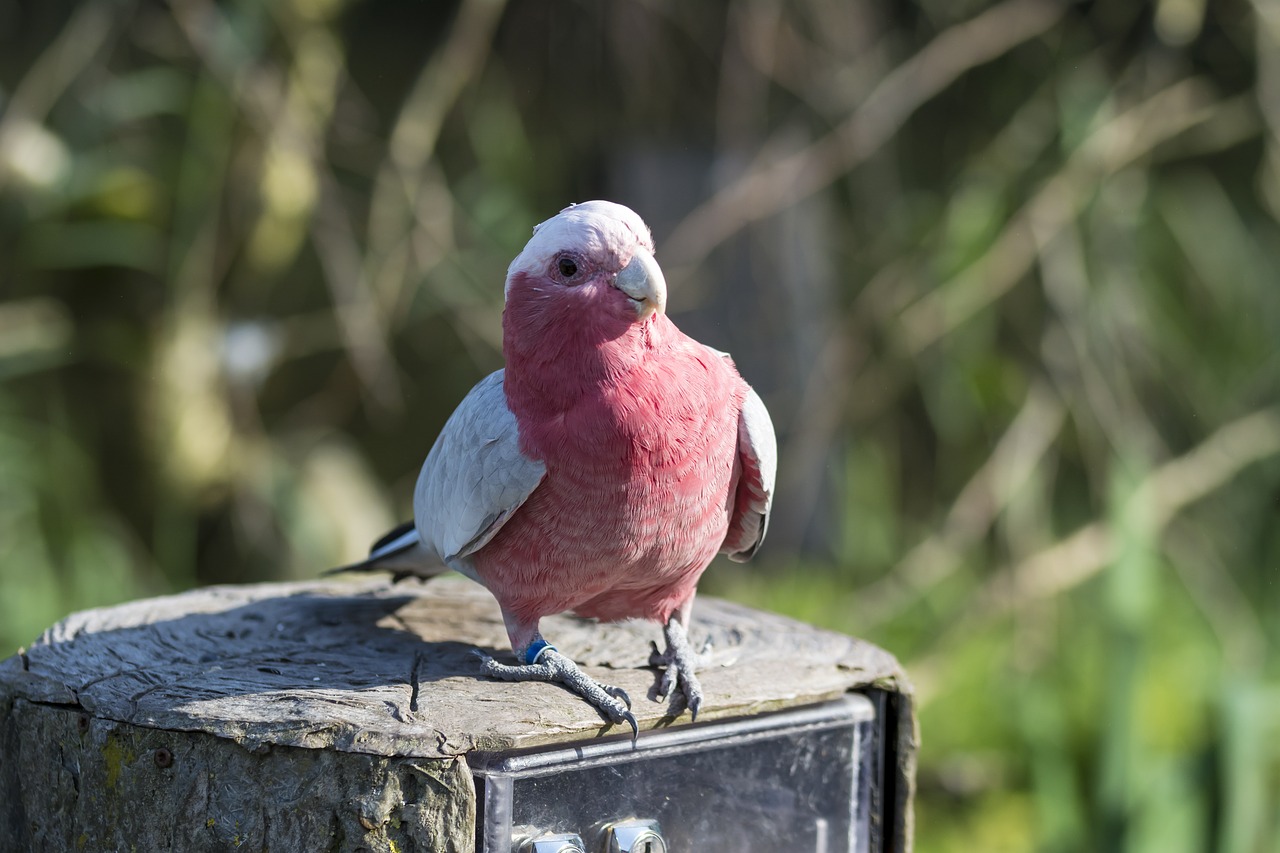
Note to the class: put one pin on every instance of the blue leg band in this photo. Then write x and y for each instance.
(535, 650)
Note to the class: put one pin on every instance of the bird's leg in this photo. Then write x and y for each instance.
(679, 660)
(543, 663)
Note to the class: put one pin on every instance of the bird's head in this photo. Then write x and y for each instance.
(593, 262)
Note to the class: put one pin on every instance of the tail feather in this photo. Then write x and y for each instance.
(401, 552)
(388, 539)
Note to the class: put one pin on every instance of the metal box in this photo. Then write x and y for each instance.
(806, 779)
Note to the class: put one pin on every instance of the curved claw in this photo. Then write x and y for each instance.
(617, 693)
(670, 676)
(630, 720)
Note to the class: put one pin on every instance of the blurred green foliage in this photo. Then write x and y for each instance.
(251, 256)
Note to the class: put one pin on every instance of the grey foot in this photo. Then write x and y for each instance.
(681, 663)
(612, 702)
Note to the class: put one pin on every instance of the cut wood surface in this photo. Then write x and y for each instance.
(329, 664)
(282, 716)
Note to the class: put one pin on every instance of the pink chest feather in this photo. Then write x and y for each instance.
(641, 474)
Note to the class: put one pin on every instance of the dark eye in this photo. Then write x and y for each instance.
(567, 267)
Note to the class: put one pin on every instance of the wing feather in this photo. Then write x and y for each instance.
(475, 476)
(758, 458)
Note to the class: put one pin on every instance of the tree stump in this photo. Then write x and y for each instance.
(340, 715)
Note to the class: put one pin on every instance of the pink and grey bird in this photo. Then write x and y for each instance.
(603, 468)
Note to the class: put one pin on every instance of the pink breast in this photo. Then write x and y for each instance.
(636, 501)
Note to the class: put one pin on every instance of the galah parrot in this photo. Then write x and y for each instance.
(602, 469)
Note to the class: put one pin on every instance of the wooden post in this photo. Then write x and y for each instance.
(338, 715)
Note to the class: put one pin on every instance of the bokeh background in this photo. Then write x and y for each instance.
(1007, 275)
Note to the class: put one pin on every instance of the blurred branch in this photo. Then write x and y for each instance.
(57, 67)
(361, 326)
(832, 72)
(438, 86)
(34, 326)
(64, 59)
(1079, 356)
(406, 172)
(1167, 491)
(1113, 146)
(1074, 559)
(849, 387)
(1268, 49)
(769, 188)
(989, 491)
(1046, 230)
(1267, 92)
(1213, 588)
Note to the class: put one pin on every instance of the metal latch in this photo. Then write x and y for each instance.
(637, 835)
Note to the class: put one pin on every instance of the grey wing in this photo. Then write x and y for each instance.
(474, 478)
(758, 460)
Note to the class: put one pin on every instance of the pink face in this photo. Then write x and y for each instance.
(590, 268)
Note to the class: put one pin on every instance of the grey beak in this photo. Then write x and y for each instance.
(642, 280)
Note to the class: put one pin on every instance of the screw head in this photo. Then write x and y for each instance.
(163, 757)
